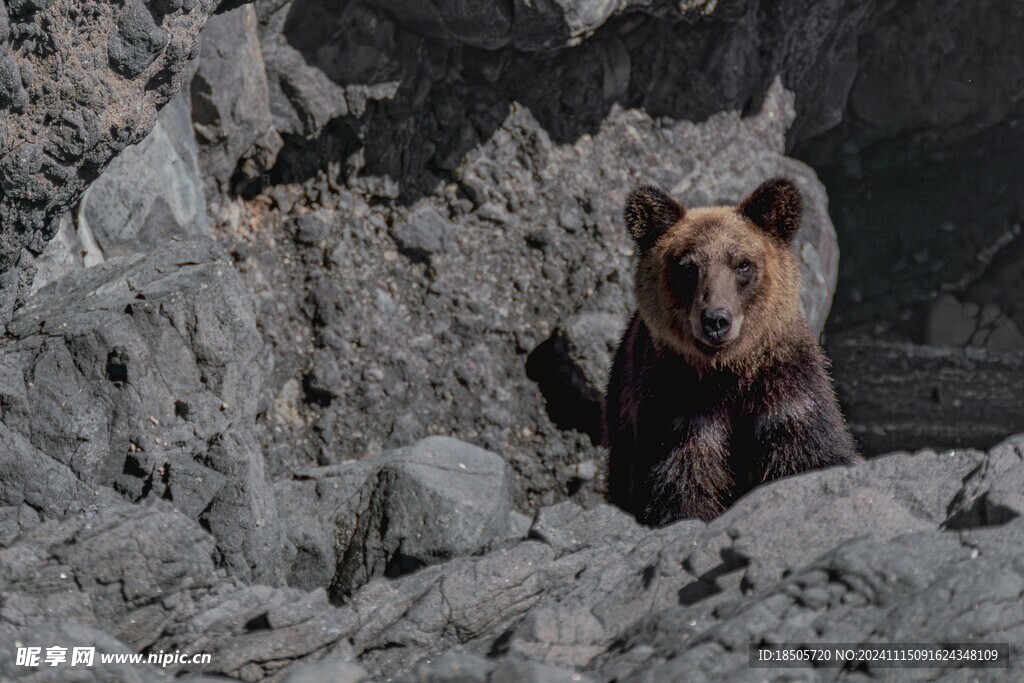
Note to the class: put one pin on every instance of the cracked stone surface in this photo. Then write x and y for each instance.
(79, 82)
(138, 378)
(302, 453)
(917, 547)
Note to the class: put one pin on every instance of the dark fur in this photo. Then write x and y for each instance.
(689, 437)
(775, 206)
(649, 213)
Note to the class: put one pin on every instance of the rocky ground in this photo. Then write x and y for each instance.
(304, 371)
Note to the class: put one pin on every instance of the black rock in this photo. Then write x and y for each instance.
(138, 40)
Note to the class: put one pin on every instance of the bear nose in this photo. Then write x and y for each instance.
(716, 322)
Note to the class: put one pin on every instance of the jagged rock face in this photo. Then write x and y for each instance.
(140, 377)
(436, 499)
(79, 81)
(424, 199)
(230, 102)
(907, 548)
(152, 192)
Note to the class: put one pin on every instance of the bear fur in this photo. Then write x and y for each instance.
(717, 384)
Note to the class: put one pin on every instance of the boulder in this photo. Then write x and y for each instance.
(140, 376)
(150, 193)
(230, 100)
(436, 499)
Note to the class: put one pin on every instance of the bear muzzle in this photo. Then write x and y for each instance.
(717, 327)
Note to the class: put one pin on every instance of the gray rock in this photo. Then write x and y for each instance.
(326, 672)
(138, 40)
(255, 633)
(131, 570)
(908, 548)
(403, 510)
(859, 547)
(140, 375)
(151, 192)
(230, 99)
(568, 529)
(67, 118)
(35, 487)
(313, 78)
(951, 323)
(467, 668)
(141, 578)
(311, 228)
(422, 234)
(64, 254)
(70, 635)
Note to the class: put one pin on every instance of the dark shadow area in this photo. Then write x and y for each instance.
(911, 227)
(981, 514)
(567, 405)
(453, 95)
(706, 584)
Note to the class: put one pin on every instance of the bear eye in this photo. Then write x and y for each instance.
(686, 267)
(744, 267)
(684, 275)
(687, 263)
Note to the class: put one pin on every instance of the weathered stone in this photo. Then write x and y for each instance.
(403, 510)
(77, 86)
(140, 375)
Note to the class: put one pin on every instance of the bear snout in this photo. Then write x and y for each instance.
(715, 323)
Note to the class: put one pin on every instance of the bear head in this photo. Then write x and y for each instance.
(718, 285)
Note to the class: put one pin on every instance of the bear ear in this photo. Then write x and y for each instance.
(649, 213)
(776, 206)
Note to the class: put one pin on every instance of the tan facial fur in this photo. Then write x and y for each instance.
(716, 245)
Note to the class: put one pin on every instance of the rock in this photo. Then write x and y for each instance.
(138, 40)
(140, 376)
(989, 496)
(692, 589)
(911, 546)
(151, 192)
(572, 368)
(951, 323)
(253, 633)
(391, 515)
(327, 672)
(67, 119)
(230, 99)
(64, 254)
(422, 235)
(311, 228)
(589, 341)
(313, 78)
(130, 570)
(35, 487)
(143, 578)
(568, 529)
(70, 635)
(912, 396)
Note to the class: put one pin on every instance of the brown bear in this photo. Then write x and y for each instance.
(718, 384)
